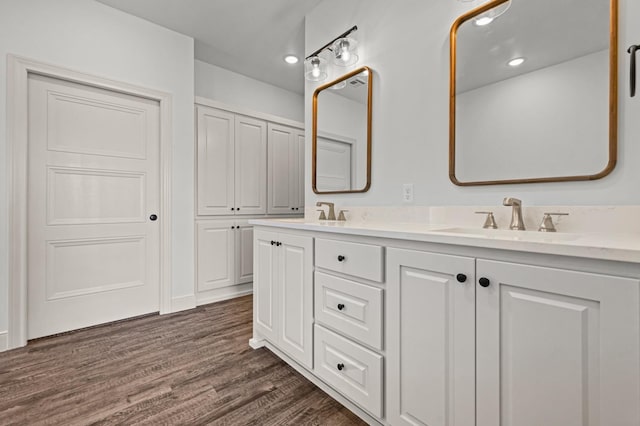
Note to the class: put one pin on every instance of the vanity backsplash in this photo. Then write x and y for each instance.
(600, 219)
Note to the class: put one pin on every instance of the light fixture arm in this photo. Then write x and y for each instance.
(343, 35)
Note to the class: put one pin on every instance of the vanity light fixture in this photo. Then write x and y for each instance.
(291, 59)
(516, 62)
(315, 68)
(344, 52)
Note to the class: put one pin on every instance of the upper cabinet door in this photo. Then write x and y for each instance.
(299, 178)
(250, 166)
(283, 170)
(215, 140)
(556, 347)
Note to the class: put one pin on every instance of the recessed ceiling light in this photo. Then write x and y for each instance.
(291, 59)
(485, 20)
(515, 62)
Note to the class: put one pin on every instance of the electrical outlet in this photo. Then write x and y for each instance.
(407, 193)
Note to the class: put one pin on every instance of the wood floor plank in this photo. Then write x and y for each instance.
(190, 368)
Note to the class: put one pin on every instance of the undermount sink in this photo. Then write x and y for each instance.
(502, 234)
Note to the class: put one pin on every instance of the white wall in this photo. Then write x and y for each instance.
(238, 90)
(532, 120)
(407, 46)
(89, 37)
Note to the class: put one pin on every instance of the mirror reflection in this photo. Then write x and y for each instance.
(341, 134)
(533, 95)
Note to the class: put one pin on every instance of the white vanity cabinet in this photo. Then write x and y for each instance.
(232, 163)
(283, 292)
(556, 347)
(285, 170)
(413, 329)
(497, 343)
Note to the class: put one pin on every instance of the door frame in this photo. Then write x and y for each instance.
(18, 72)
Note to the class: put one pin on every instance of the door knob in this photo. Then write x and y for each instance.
(484, 282)
(153, 217)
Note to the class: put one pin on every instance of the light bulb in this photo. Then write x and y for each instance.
(515, 62)
(315, 71)
(345, 56)
(481, 22)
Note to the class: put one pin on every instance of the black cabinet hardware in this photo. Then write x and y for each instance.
(340, 366)
(632, 68)
(341, 258)
(278, 243)
(484, 282)
(340, 306)
(272, 242)
(232, 208)
(461, 278)
(153, 217)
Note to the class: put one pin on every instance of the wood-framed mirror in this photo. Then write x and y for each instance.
(341, 134)
(533, 92)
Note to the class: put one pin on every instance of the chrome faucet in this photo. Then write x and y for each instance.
(332, 212)
(516, 213)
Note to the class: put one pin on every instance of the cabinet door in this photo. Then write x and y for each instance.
(283, 170)
(296, 297)
(250, 166)
(215, 164)
(215, 253)
(556, 347)
(299, 178)
(244, 252)
(430, 332)
(265, 288)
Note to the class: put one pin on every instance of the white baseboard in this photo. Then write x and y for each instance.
(225, 293)
(256, 343)
(183, 303)
(4, 341)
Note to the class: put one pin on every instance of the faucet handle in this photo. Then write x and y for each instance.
(341, 215)
(490, 221)
(322, 215)
(547, 224)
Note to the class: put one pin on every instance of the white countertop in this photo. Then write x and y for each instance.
(605, 246)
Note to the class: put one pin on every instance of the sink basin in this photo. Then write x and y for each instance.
(502, 234)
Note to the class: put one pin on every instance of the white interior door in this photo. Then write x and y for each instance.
(333, 165)
(93, 182)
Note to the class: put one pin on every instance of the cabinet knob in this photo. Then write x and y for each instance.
(340, 306)
(233, 227)
(484, 282)
(341, 258)
(272, 242)
(461, 278)
(278, 243)
(293, 208)
(153, 217)
(340, 366)
(232, 209)
(237, 209)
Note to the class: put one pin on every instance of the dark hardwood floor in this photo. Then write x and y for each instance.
(189, 368)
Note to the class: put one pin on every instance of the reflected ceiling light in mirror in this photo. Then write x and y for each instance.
(490, 15)
(516, 62)
(291, 59)
(340, 85)
(315, 68)
(345, 52)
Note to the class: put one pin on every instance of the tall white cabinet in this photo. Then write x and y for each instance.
(237, 153)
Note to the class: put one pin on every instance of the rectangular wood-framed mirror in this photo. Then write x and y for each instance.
(341, 134)
(548, 116)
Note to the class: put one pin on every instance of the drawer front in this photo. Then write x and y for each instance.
(353, 309)
(351, 369)
(360, 260)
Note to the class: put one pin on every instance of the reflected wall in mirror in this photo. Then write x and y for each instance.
(342, 134)
(533, 92)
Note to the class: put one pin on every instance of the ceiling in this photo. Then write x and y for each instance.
(250, 37)
(545, 32)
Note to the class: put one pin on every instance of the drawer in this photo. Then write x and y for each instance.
(360, 260)
(349, 368)
(353, 309)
